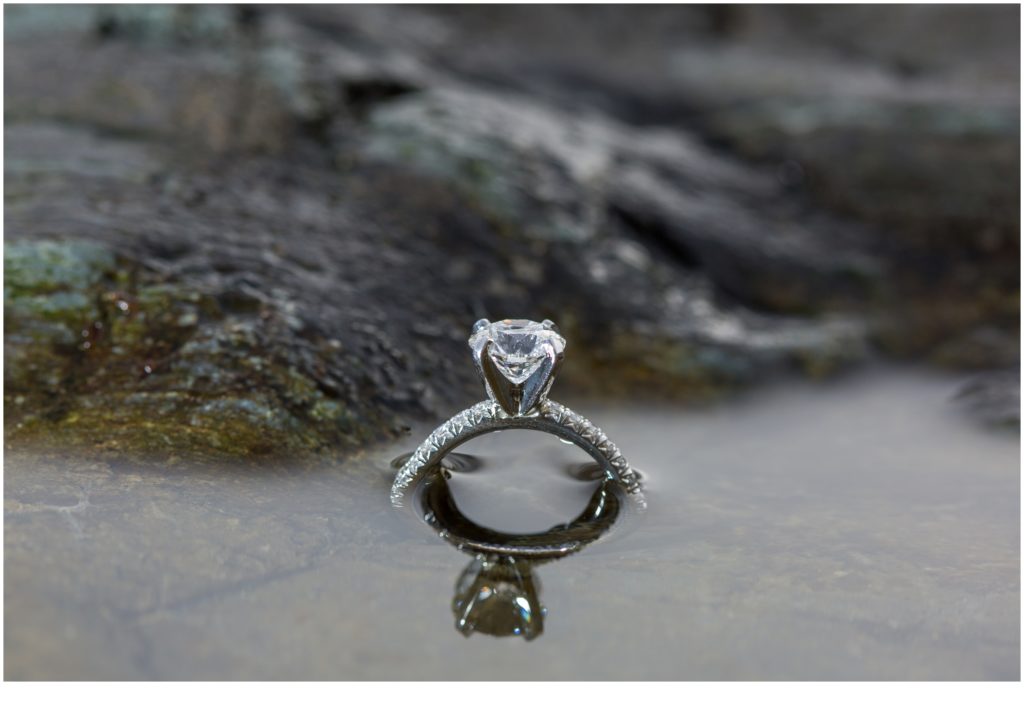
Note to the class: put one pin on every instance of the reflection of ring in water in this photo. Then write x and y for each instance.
(498, 596)
(438, 508)
(498, 593)
(453, 462)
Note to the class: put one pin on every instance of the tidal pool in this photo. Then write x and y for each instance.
(861, 528)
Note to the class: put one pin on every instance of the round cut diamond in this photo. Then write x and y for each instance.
(517, 346)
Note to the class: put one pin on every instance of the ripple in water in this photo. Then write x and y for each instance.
(453, 462)
(585, 472)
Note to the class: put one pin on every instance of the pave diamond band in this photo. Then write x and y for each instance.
(487, 416)
(517, 361)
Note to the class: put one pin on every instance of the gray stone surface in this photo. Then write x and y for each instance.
(858, 531)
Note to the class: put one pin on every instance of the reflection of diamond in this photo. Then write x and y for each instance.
(517, 346)
(498, 597)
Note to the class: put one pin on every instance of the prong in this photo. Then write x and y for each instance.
(550, 325)
(481, 323)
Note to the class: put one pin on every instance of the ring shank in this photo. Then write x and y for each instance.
(487, 416)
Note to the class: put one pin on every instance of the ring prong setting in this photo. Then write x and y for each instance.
(517, 360)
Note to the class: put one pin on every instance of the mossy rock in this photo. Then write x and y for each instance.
(103, 356)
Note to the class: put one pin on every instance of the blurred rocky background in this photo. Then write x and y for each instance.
(238, 231)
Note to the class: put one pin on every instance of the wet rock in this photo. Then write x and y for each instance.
(554, 176)
(905, 119)
(233, 233)
(198, 339)
(100, 354)
(538, 174)
(993, 398)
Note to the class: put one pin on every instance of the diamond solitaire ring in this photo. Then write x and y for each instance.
(517, 361)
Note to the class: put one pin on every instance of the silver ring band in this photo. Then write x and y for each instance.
(487, 416)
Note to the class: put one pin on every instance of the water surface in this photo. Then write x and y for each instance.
(858, 529)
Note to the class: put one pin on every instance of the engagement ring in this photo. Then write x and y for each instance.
(517, 361)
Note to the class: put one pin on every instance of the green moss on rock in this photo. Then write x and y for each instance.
(102, 356)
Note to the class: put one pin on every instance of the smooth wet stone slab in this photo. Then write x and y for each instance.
(859, 529)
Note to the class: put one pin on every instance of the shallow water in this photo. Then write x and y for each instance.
(857, 529)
